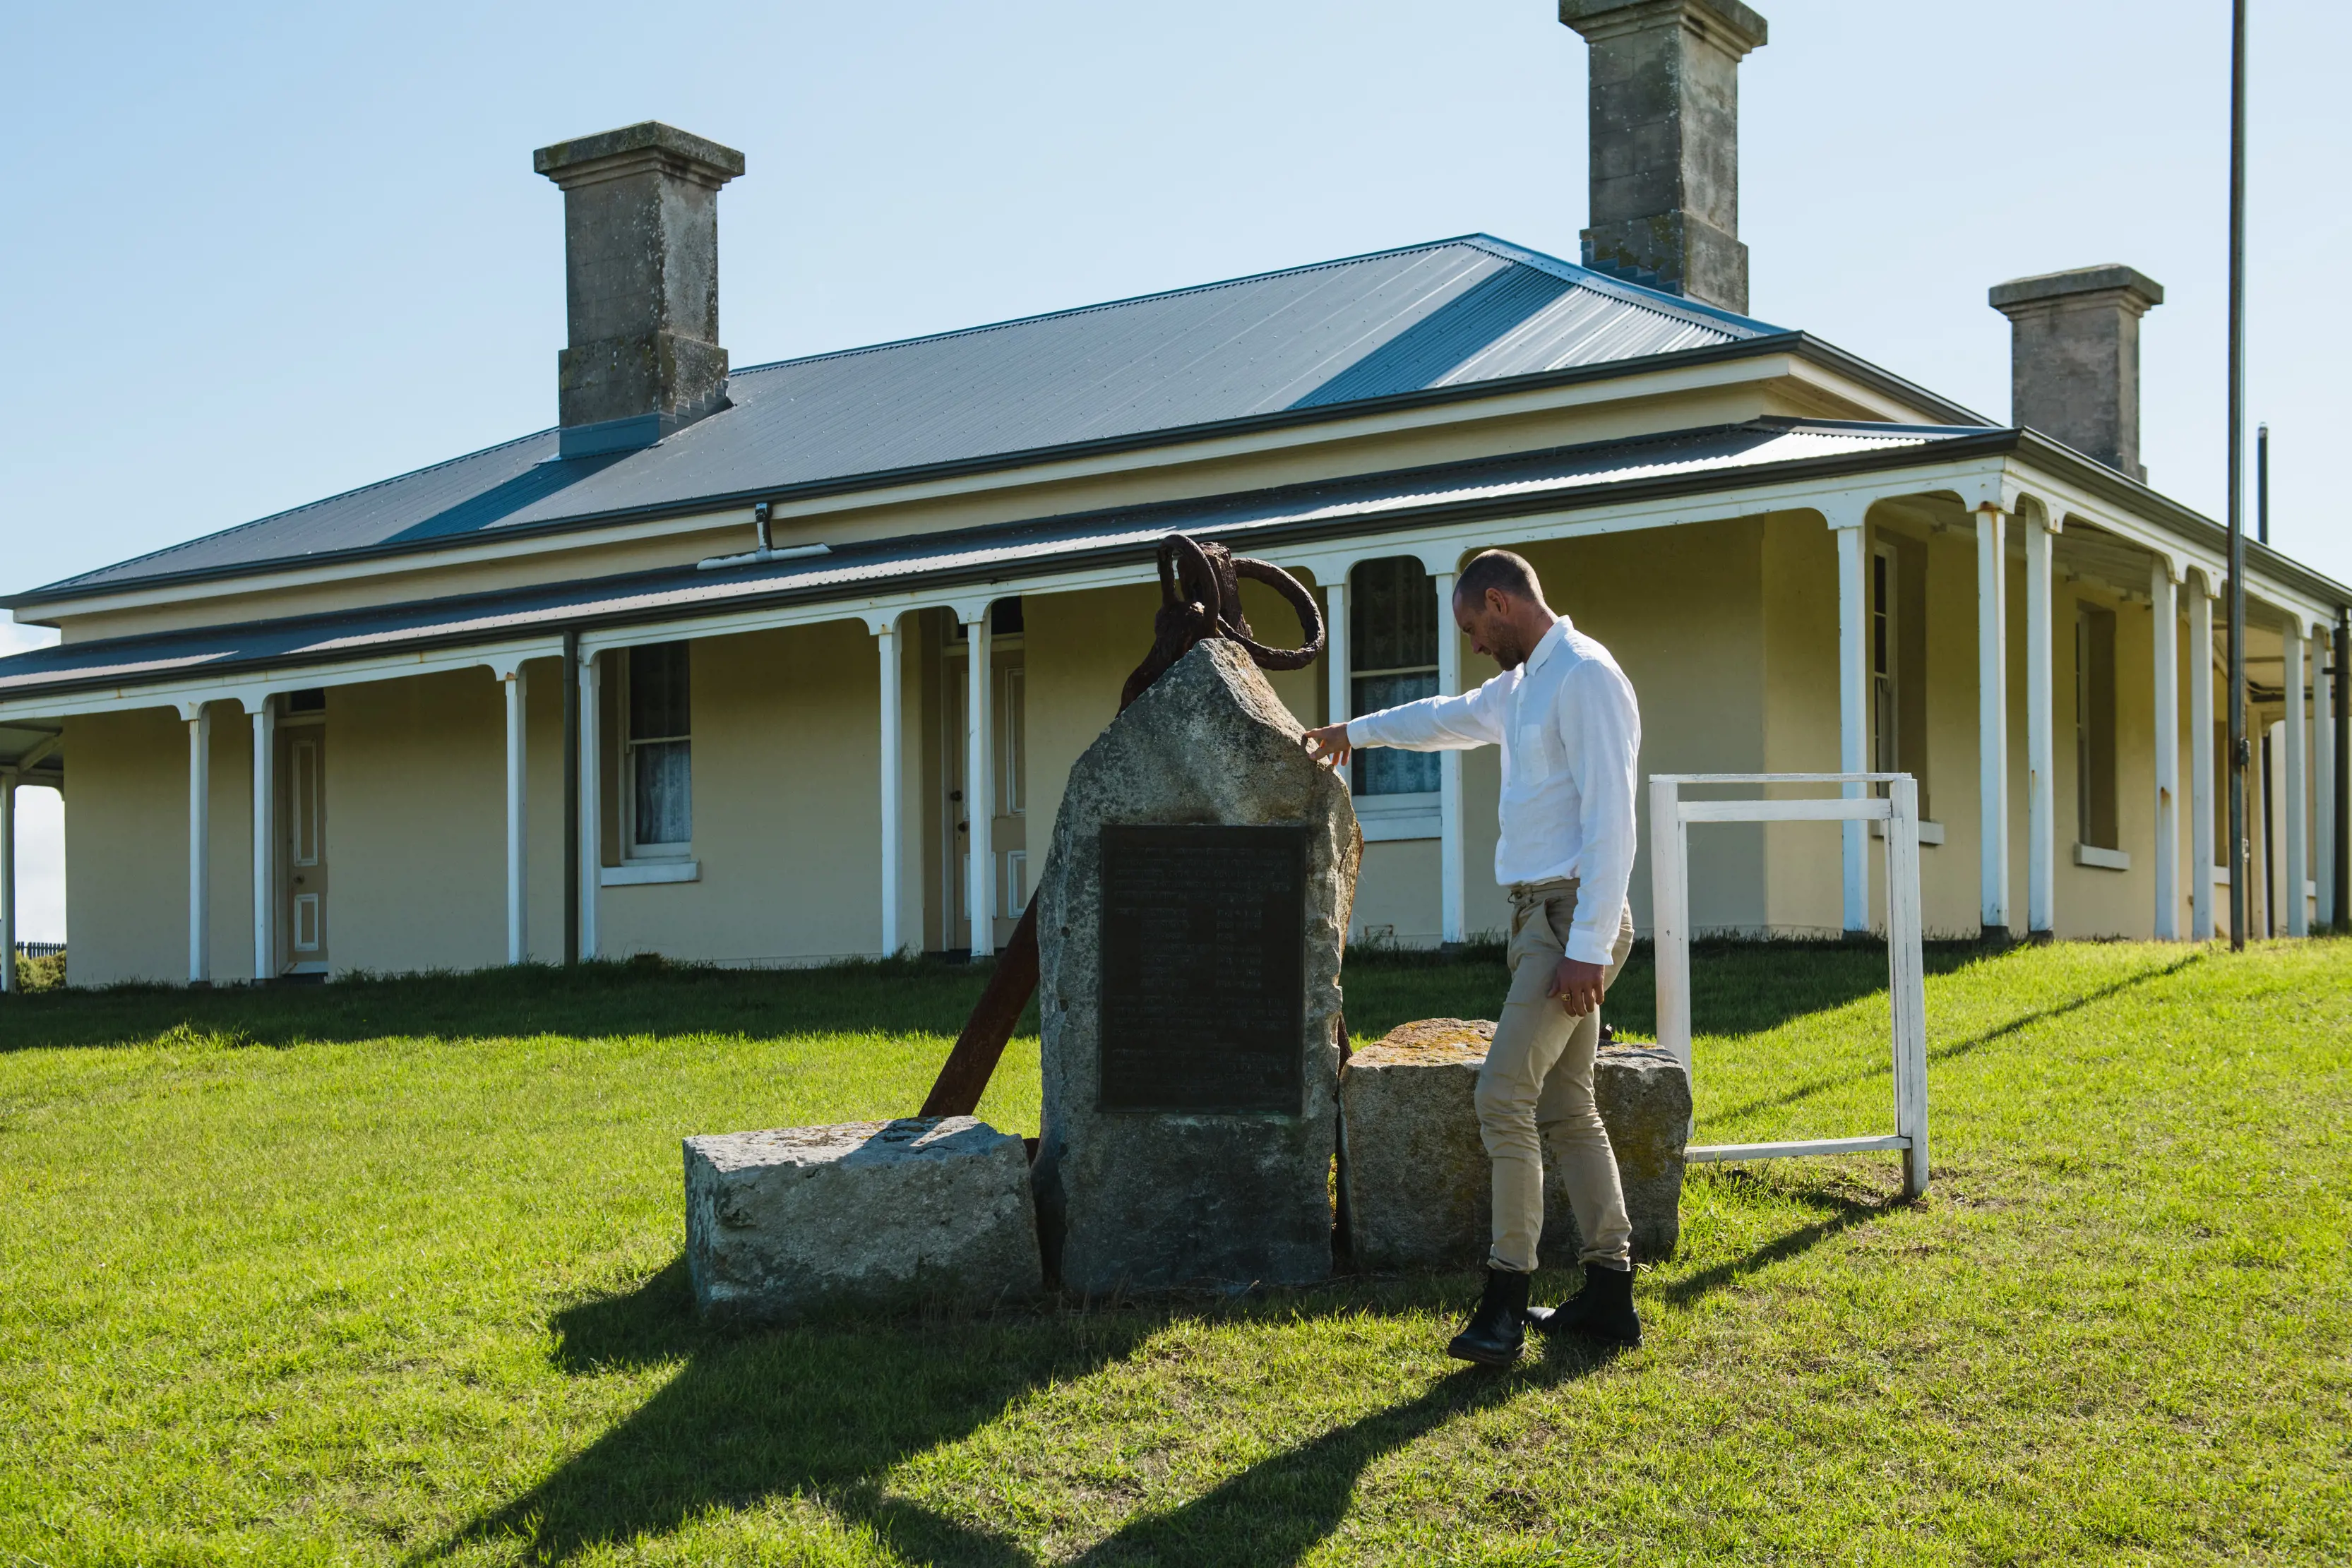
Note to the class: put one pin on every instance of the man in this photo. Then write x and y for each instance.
(1564, 717)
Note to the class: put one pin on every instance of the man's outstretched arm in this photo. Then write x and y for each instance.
(1432, 724)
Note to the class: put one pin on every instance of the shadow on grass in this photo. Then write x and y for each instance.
(1737, 987)
(1958, 1047)
(1839, 1213)
(829, 1412)
(595, 1001)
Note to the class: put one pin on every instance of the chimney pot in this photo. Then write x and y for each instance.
(641, 264)
(1665, 141)
(2073, 372)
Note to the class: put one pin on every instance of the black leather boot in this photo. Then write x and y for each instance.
(1602, 1310)
(1497, 1331)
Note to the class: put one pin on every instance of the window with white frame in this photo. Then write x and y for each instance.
(2095, 728)
(658, 791)
(1897, 652)
(1885, 717)
(1393, 652)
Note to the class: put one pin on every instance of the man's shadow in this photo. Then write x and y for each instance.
(831, 1411)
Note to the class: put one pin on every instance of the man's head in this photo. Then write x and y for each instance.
(1500, 607)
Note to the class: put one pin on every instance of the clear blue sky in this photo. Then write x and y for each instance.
(259, 253)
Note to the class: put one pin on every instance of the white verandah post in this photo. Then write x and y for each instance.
(886, 641)
(513, 681)
(1854, 724)
(2201, 760)
(1992, 718)
(8, 879)
(979, 796)
(2298, 796)
(1451, 892)
(264, 836)
(1338, 695)
(2323, 759)
(2041, 752)
(2164, 608)
(200, 788)
(591, 847)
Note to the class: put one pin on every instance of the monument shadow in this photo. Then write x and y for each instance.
(828, 1410)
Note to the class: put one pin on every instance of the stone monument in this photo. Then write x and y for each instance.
(1416, 1179)
(861, 1216)
(1191, 917)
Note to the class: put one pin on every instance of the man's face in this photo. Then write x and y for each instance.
(1491, 627)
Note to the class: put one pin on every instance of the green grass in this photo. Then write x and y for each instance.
(387, 1273)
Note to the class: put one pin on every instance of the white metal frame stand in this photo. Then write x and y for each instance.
(1670, 820)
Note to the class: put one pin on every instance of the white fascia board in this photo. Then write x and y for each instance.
(472, 555)
(1442, 546)
(1175, 453)
(1847, 389)
(250, 687)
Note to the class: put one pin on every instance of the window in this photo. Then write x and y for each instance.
(2095, 728)
(1897, 652)
(1392, 641)
(659, 791)
(1885, 721)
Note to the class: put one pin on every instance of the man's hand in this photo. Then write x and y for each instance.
(1578, 986)
(1328, 745)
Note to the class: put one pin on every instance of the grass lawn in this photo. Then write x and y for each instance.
(388, 1272)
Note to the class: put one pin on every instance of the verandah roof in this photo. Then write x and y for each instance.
(1579, 477)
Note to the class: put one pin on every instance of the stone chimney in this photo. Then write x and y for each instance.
(2074, 357)
(1664, 108)
(641, 284)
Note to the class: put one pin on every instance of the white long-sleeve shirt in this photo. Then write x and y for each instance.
(1572, 734)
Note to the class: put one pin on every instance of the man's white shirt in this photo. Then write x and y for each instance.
(1572, 734)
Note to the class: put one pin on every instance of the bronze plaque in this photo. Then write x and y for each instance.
(1203, 965)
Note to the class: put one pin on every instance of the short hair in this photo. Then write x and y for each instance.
(1498, 568)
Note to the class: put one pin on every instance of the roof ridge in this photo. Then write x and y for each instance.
(1495, 247)
(295, 511)
(1696, 311)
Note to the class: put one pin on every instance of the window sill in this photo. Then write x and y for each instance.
(1929, 833)
(1388, 817)
(646, 872)
(2102, 859)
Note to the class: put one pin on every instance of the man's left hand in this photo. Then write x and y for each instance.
(1579, 986)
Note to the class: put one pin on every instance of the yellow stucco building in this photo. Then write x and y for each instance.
(785, 664)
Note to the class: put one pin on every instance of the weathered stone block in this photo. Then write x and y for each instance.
(1645, 1103)
(1417, 1192)
(804, 1221)
(1147, 1197)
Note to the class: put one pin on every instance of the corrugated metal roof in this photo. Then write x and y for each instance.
(1256, 521)
(1451, 313)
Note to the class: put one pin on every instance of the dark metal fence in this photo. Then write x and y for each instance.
(39, 949)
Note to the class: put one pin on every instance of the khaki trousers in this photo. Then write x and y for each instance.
(1538, 1084)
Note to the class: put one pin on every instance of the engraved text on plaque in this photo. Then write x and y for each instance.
(1204, 936)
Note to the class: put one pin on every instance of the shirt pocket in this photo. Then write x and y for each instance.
(1531, 758)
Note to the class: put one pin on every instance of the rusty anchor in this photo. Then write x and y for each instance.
(1201, 599)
